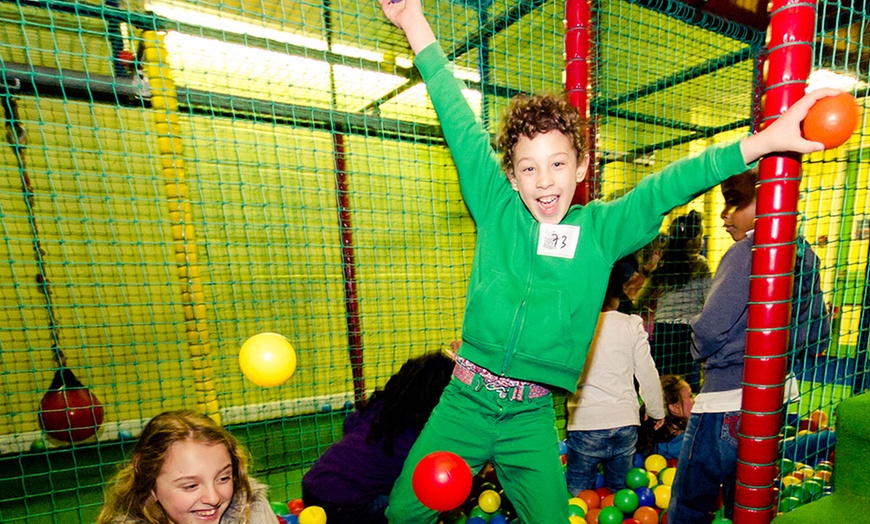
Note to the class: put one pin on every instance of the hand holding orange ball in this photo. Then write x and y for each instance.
(831, 120)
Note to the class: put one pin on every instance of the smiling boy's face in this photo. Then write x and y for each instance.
(546, 173)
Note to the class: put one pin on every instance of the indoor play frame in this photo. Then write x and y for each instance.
(164, 199)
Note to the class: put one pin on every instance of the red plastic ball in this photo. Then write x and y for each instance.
(442, 481)
(831, 120)
(70, 415)
(296, 506)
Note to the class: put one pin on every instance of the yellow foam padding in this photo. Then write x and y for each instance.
(170, 145)
(180, 232)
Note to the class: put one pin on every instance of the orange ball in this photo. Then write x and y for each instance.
(591, 498)
(607, 501)
(592, 516)
(831, 120)
(646, 515)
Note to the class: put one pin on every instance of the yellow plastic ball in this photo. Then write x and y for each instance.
(663, 495)
(577, 501)
(653, 479)
(667, 476)
(489, 501)
(267, 359)
(655, 463)
(576, 520)
(312, 515)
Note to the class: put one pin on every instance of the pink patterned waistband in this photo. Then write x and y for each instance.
(518, 390)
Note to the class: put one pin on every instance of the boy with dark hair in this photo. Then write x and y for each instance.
(708, 457)
(540, 272)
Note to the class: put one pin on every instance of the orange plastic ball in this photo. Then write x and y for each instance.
(267, 359)
(831, 120)
(646, 515)
(592, 499)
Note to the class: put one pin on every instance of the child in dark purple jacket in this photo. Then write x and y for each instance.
(353, 478)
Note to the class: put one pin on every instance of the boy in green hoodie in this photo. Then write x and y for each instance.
(540, 272)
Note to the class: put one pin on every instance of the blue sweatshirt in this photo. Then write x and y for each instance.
(531, 316)
(719, 331)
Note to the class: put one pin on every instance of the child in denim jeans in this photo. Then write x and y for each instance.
(708, 456)
(603, 412)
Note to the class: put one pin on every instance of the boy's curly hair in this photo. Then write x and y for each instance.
(531, 115)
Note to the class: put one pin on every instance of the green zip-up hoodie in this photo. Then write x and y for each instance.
(529, 316)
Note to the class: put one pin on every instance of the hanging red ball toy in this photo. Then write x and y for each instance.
(442, 481)
(831, 120)
(69, 411)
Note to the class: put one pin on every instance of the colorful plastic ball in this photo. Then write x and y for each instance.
(721, 520)
(823, 476)
(591, 498)
(786, 467)
(813, 489)
(592, 515)
(610, 515)
(573, 519)
(478, 512)
(489, 501)
(442, 481)
(279, 508)
(475, 520)
(626, 500)
(312, 515)
(787, 504)
(498, 518)
(666, 476)
(645, 497)
(576, 511)
(267, 359)
(70, 414)
(630, 521)
(599, 481)
(825, 465)
(638, 460)
(637, 478)
(577, 501)
(646, 515)
(607, 501)
(663, 495)
(125, 434)
(831, 120)
(38, 445)
(655, 463)
(295, 506)
(603, 492)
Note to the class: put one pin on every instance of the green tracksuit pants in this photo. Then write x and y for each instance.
(518, 437)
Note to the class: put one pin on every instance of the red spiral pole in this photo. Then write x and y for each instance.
(789, 59)
(578, 72)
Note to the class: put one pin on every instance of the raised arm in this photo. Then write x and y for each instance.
(408, 16)
(784, 134)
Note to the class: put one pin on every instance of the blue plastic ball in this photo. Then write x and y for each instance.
(599, 481)
(645, 497)
(638, 460)
(498, 518)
